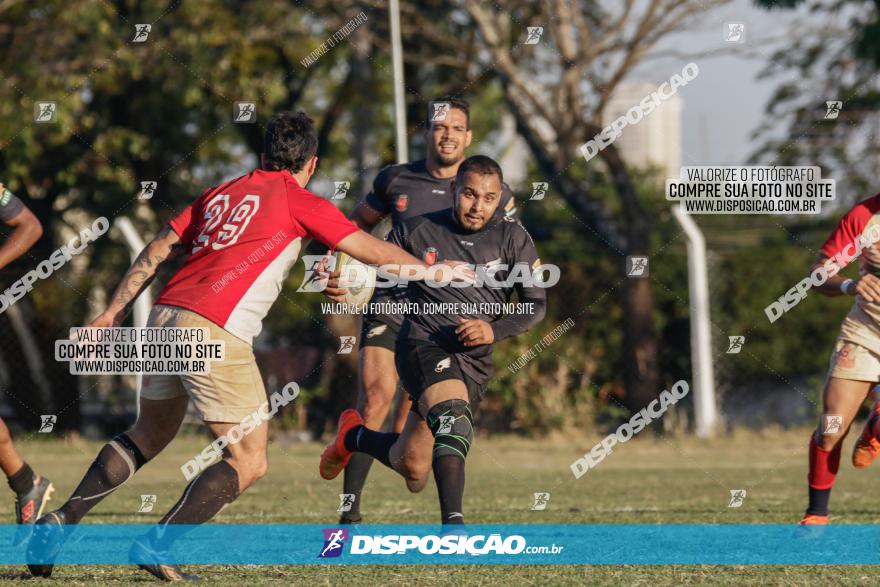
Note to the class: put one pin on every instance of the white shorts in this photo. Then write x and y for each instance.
(853, 361)
(230, 391)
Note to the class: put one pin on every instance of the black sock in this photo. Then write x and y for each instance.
(207, 494)
(819, 501)
(116, 463)
(376, 444)
(353, 482)
(449, 475)
(22, 481)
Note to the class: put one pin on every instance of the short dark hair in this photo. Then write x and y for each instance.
(290, 141)
(454, 102)
(478, 164)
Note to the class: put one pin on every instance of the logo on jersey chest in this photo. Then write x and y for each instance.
(430, 256)
(401, 203)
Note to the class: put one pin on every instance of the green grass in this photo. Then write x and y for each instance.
(649, 481)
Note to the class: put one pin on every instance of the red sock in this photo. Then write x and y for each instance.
(824, 465)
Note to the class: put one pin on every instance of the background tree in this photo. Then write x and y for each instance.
(832, 54)
(558, 91)
(162, 110)
(127, 112)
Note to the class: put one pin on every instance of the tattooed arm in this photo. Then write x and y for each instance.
(165, 246)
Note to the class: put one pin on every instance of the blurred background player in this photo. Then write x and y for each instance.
(32, 491)
(226, 224)
(855, 362)
(402, 191)
(445, 360)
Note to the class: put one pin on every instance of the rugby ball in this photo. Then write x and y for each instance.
(359, 279)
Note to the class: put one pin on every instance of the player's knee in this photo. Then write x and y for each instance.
(248, 475)
(251, 467)
(416, 485)
(260, 470)
(258, 466)
(415, 469)
(452, 425)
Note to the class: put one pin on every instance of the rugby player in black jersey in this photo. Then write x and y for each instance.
(32, 491)
(402, 192)
(444, 359)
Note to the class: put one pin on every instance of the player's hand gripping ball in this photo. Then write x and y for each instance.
(356, 281)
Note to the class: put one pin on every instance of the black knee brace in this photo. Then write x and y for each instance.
(452, 424)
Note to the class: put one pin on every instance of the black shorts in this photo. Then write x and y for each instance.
(378, 331)
(421, 364)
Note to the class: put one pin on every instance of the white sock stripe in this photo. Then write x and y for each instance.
(125, 457)
(96, 496)
(182, 500)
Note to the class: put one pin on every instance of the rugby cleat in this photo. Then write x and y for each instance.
(45, 544)
(151, 561)
(29, 507)
(814, 520)
(867, 447)
(335, 457)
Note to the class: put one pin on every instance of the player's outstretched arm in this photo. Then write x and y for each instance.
(26, 231)
(165, 246)
(867, 286)
(332, 291)
(373, 251)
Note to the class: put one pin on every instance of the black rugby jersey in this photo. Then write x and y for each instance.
(501, 250)
(409, 190)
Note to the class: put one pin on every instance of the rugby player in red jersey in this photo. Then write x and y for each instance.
(855, 362)
(32, 491)
(270, 211)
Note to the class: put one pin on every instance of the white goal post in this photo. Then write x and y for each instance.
(703, 376)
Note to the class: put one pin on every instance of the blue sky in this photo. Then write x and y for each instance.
(725, 104)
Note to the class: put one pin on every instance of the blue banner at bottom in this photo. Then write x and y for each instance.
(612, 544)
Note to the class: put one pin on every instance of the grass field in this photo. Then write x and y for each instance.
(649, 481)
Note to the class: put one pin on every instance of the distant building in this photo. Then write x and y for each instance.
(656, 139)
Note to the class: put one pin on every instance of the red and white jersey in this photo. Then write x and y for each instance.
(243, 237)
(862, 324)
